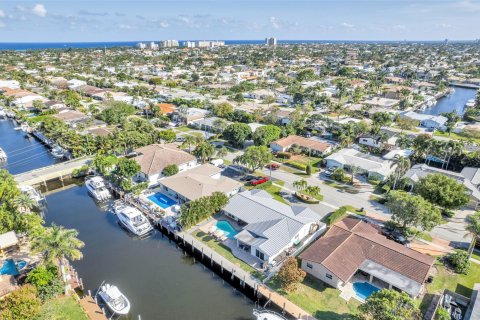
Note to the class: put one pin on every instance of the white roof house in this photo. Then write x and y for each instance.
(7, 240)
(374, 166)
(271, 227)
(426, 120)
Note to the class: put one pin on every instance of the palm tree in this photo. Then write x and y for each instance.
(353, 171)
(222, 152)
(204, 151)
(189, 141)
(455, 148)
(474, 229)
(300, 184)
(403, 164)
(23, 203)
(57, 243)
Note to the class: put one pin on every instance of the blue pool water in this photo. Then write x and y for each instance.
(21, 264)
(225, 226)
(9, 267)
(364, 289)
(162, 200)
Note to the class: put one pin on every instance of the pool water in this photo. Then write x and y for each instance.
(21, 264)
(364, 289)
(162, 200)
(227, 228)
(9, 267)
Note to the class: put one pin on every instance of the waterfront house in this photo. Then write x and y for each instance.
(198, 182)
(155, 157)
(355, 251)
(426, 120)
(8, 242)
(374, 167)
(469, 177)
(270, 228)
(309, 146)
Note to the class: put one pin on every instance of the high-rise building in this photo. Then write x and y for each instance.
(152, 46)
(209, 44)
(141, 45)
(189, 44)
(271, 41)
(169, 43)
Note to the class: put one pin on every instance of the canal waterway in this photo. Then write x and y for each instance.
(24, 153)
(159, 280)
(453, 102)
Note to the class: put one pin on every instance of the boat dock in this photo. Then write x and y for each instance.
(464, 85)
(57, 171)
(92, 309)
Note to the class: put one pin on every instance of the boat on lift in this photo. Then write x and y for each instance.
(132, 219)
(33, 194)
(58, 152)
(267, 315)
(115, 300)
(97, 188)
(3, 155)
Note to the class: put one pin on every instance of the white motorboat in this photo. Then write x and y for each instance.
(57, 152)
(3, 156)
(132, 219)
(97, 188)
(33, 194)
(267, 315)
(114, 299)
(3, 114)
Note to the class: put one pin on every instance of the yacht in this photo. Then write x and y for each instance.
(114, 299)
(267, 315)
(3, 114)
(57, 152)
(132, 219)
(97, 188)
(3, 156)
(33, 194)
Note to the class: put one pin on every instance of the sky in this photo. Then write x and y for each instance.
(123, 20)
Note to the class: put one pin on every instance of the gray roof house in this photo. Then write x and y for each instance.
(466, 177)
(270, 227)
(426, 120)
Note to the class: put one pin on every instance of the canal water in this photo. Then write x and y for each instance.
(160, 282)
(453, 102)
(24, 154)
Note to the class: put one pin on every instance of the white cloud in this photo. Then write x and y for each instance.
(126, 27)
(2, 14)
(39, 10)
(347, 25)
(443, 25)
(2, 25)
(468, 5)
(164, 24)
(399, 27)
(274, 23)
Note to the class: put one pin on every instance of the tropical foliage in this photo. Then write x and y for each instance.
(198, 210)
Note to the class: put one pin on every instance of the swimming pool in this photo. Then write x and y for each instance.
(9, 267)
(227, 228)
(162, 200)
(363, 290)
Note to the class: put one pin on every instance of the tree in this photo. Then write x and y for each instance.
(390, 305)
(57, 243)
(204, 151)
(127, 168)
(290, 275)
(47, 281)
(237, 133)
(189, 141)
(170, 170)
(254, 157)
(24, 203)
(473, 228)
(308, 169)
(266, 134)
(443, 191)
(104, 163)
(353, 171)
(167, 136)
(459, 260)
(198, 210)
(381, 119)
(412, 210)
(300, 185)
(442, 314)
(70, 98)
(402, 165)
(21, 304)
(222, 110)
(222, 152)
(116, 112)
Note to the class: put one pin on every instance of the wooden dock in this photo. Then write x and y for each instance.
(92, 309)
(245, 278)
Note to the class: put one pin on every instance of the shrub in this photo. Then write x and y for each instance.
(297, 165)
(290, 275)
(46, 280)
(336, 215)
(21, 304)
(308, 169)
(284, 155)
(442, 314)
(340, 175)
(459, 261)
(170, 170)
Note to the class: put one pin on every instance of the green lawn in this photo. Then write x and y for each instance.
(226, 253)
(354, 210)
(183, 129)
(445, 279)
(341, 186)
(476, 255)
(61, 309)
(454, 136)
(318, 299)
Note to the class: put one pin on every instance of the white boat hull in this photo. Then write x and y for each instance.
(119, 304)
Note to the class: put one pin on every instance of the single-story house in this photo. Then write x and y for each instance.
(155, 157)
(270, 227)
(8, 241)
(375, 167)
(419, 171)
(355, 251)
(377, 141)
(198, 182)
(426, 120)
(311, 146)
(71, 117)
(52, 104)
(382, 102)
(210, 124)
(191, 115)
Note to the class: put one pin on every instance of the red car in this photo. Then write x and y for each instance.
(259, 181)
(272, 166)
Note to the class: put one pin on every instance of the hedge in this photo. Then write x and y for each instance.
(336, 215)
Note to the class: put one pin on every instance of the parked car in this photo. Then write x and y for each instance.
(259, 181)
(272, 166)
(248, 178)
(328, 172)
(397, 236)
